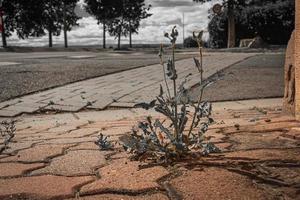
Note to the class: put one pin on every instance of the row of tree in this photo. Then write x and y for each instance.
(118, 17)
(33, 18)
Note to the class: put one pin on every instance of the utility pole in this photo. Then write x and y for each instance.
(2, 28)
(183, 27)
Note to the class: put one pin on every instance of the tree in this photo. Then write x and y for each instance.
(31, 18)
(230, 7)
(21, 17)
(58, 15)
(135, 12)
(69, 17)
(127, 22)
(104, 11)
(273, 20)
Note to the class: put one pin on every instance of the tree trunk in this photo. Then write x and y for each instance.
(65, 26)
(130, 35)
(120, 34)
(104, 35)
(231, 25)
(50, 38)
(290, 85)
(66, 38)
(4, 43)
(119, 41)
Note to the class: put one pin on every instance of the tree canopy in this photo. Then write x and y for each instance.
(33, 18)
(273, 20)
(104, 11)
(120, 17)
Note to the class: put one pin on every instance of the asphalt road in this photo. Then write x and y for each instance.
(261, 76)
(23, 73)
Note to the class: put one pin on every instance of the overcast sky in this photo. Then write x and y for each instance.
(166, 14)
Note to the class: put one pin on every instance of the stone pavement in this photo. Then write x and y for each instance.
(122, 89)
(55, 157)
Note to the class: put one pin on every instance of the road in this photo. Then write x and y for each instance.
(23, 73)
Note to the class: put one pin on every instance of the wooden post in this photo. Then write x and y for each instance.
(297, 58)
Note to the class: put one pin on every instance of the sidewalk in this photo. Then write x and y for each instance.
(122, 89)
(54, 157)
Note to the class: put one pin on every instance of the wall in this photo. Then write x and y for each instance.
(297, 58)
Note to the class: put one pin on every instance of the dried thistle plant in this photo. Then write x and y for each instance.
(7, 133)
(103, 143)
(183, 131)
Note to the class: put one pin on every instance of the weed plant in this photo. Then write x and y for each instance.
(182, 133)
(7, 133)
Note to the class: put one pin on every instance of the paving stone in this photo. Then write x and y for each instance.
(266, 154)
(37, 153)
(10, 102)
(123, 104)
(75, 163)
(223, 146)
(124, 175)
(123, 197)
(85, 146)
(101, 103)
(69, 133)
(20, 109)
(245, 140)
(65, 108)
(17, 146)
(41, 187)
(82, 132)
(17, 169)
(216, 184)
(70, 140)
(130, 86)
(9, 113)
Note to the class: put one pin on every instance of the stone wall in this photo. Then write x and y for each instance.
(297, 58)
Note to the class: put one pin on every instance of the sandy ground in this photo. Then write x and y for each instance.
(261, 76)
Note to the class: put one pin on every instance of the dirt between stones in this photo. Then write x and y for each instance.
(260, 160)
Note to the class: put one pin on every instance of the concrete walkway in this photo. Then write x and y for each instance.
(122, 89)
(55, 157)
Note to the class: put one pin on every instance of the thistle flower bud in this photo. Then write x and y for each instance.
(171, 71)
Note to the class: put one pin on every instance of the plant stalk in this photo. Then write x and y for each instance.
(165, 76)
(175, 94)
(201, 92)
